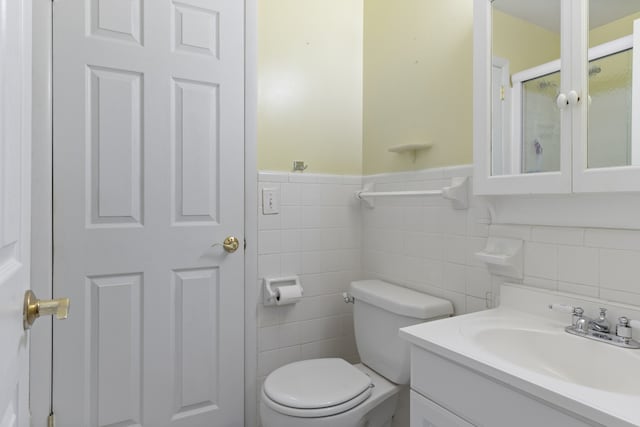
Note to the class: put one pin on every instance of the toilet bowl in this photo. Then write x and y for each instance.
(331, 391)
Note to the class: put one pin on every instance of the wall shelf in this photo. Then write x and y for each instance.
(413, 148)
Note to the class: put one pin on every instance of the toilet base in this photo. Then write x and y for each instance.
(376, 411)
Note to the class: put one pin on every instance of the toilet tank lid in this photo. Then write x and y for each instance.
(399, 300)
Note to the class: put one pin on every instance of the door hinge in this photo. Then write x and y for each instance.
(245, 244)
(51, 420)
(502, 93)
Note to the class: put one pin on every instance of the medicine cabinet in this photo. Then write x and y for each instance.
(556, 96)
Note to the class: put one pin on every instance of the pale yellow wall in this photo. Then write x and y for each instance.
(310, 85)
(614, 30)
(615, 72)
(418, 77)
(525, 45)
(320, 101)
(418, 72)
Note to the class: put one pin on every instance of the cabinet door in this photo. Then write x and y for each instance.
(522, 128)
(425, 413)
(606, 148)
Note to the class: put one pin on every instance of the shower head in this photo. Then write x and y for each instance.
(544, 84)
(595, 69)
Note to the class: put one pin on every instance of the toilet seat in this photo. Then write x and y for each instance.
(316, 388)
(318, 412)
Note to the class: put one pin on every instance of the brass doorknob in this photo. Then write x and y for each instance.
(231, 244)
(35, 308)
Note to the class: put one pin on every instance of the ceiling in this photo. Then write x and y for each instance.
(546, 13)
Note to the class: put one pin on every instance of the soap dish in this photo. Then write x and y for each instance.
(503, 257)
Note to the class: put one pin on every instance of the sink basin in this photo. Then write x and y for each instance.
(568, 358)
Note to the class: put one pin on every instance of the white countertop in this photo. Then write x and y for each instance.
(455, 339)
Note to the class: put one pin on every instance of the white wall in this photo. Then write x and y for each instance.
(425, 244)
(595, 262)
(327, 237)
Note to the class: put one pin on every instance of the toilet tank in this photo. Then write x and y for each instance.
(380, 310)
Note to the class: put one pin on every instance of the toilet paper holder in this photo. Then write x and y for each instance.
(282, 290)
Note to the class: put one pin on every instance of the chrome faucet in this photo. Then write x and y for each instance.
(599, 329)
(601, 324)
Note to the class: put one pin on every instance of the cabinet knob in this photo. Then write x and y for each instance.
(573, 97)
(562, 101)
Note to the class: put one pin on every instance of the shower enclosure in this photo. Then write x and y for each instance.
(535, 137)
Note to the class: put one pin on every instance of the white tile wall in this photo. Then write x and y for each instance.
(323, 234)
(596, 262)
(424, 243)
(317, 236)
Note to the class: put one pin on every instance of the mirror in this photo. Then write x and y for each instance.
(526, 80)
(525, 83)
(611, 142)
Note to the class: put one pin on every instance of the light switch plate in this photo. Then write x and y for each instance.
(270, 201)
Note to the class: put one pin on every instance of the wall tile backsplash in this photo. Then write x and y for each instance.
(423, 242)
(329, 238)
(325, 235)
(594, 262)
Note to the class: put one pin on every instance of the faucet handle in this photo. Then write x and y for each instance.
(603, 313)
(623, 329)
(564, 308)
(628, 323)
(577, 321)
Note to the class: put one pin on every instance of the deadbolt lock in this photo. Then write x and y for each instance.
(35, 308)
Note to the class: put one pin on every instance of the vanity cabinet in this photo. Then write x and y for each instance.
(447, 394)
(425, 413)
(556, 96)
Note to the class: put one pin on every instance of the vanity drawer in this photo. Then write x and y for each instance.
(481, 400)
(425, 413)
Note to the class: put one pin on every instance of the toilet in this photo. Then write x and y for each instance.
(331, 391)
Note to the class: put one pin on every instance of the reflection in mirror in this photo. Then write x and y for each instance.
(525, 84)
(540, 124)
(610, 111)
(611, 142)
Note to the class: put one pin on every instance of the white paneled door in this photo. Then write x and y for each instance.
(148, 175)
(15, 202)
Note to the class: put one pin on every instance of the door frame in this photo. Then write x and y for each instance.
(42, 210)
